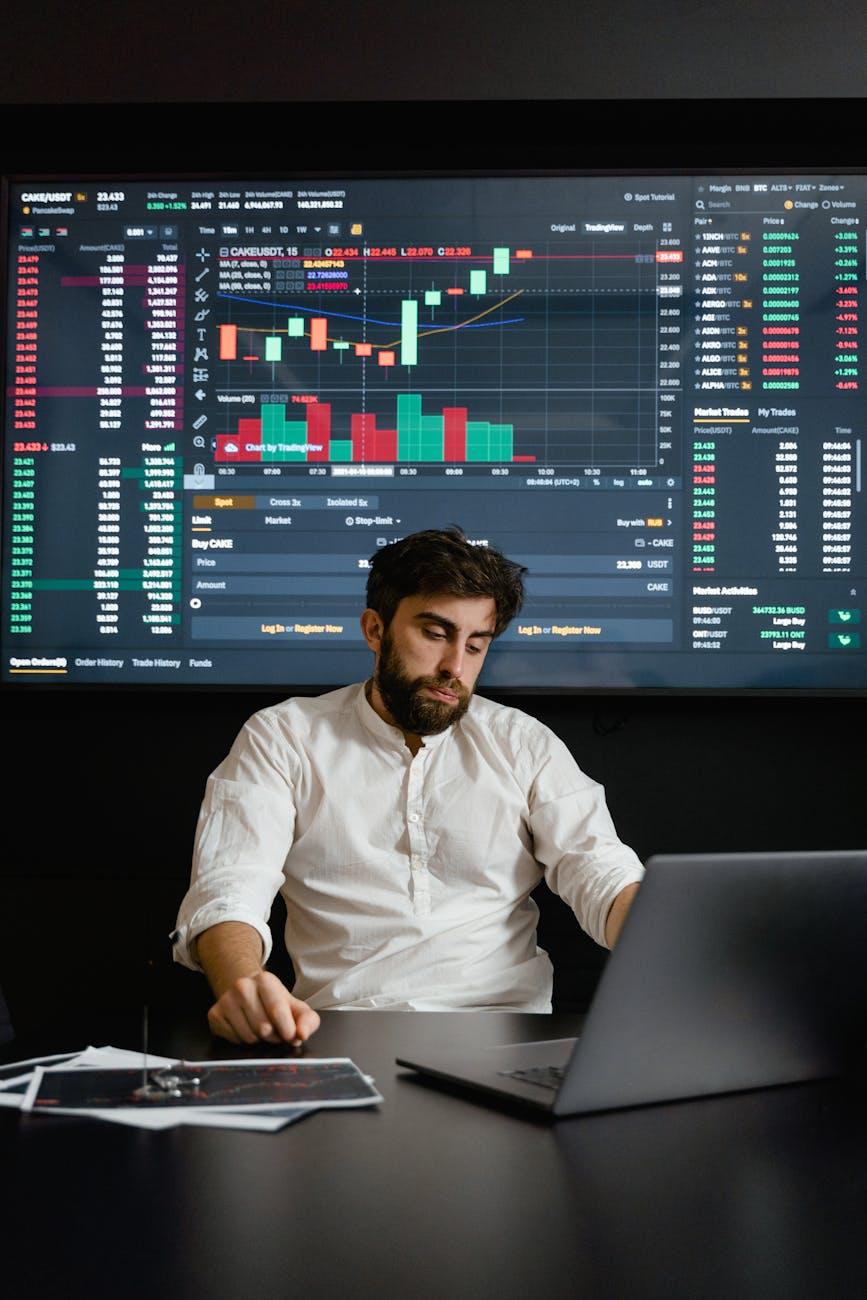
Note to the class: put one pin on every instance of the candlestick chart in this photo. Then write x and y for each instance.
(464, 355)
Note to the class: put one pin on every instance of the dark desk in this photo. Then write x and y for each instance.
(758, 1195)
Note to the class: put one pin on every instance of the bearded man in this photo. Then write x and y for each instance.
(404, 820)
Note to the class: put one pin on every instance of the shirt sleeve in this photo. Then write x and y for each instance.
(245, 830)
(575, 840)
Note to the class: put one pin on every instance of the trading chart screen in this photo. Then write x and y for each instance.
(222, 398)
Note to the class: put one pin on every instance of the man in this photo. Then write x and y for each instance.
(405, 822)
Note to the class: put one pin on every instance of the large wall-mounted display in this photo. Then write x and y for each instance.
(223, 396)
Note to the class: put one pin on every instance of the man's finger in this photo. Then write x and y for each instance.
(220, 1027)
(306, 1020)
(234, 1006)
(249, 1010)
(278, 1004)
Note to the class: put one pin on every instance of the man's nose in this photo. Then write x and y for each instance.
(452, 659)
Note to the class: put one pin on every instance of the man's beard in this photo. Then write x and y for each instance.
(402, 695)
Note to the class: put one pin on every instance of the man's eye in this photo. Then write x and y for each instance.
(434, 635)
(474, 649)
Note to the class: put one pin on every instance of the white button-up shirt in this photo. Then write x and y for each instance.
(406, 879)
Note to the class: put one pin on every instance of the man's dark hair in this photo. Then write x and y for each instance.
(442, 562)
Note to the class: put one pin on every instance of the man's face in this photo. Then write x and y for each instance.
(430, 657)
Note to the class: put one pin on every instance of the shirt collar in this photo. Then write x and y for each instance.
(384, 731)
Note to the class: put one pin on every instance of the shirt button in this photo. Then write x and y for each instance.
(413, 817)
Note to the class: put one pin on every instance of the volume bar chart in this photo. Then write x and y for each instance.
(448, 437)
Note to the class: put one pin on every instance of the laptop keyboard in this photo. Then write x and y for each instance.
(546, 1076)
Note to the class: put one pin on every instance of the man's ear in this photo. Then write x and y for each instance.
(372, 629)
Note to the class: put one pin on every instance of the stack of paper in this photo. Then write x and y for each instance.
(155, 1092)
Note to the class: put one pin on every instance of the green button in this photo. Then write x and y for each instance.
(844, 616)
(844, 641)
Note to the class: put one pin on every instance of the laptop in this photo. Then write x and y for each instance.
(732, 971)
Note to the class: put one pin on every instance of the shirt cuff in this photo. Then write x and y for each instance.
(183, 939)
(604, 895)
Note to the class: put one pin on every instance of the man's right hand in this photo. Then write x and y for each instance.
(252, 1004)
(258, 1007)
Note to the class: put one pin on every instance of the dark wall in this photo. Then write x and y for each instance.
(104, 789)
(453, 49)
